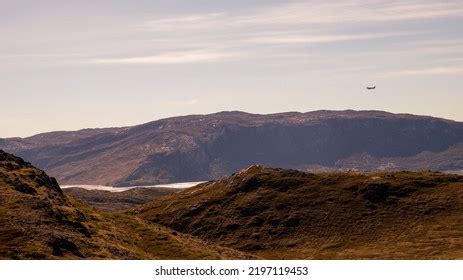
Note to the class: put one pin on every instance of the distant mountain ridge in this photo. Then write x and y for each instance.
(204, 147)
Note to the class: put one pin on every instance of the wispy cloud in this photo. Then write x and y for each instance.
(43, 55)
(192, 102)
(317, 39)
(167, 58)
(278, 30)
(316, 12)
(184, 21)
(432, 71)
(183, 103)
(353, 11)
(292, 24)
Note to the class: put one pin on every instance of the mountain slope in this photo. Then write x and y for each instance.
(203, 147)
(37, 221)
(278, 213)
(447, 160)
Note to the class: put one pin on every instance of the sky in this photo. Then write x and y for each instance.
(67, 65)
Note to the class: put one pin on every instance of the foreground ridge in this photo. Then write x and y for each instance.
(280, 213)
(37, 221)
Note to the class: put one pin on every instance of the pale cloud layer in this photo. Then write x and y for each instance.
(442, 70)
(168, 58)
(251, 33)
(74, 64)
(323, 12)
(319, 39)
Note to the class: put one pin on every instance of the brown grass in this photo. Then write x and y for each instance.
(117, 201)
(286, 214)
(37, 221)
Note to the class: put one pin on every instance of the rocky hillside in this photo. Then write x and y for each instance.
(203, 147)
(450, 160)
(278, 213)
(37, 221)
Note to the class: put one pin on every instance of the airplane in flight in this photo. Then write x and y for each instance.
(370, 88)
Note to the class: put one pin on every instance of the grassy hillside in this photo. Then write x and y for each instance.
(277, 213)
(264, 212)
(117, 201)
(37, 221)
